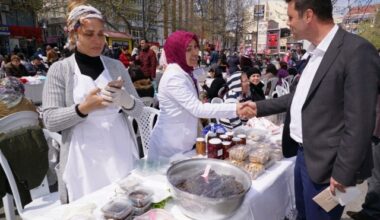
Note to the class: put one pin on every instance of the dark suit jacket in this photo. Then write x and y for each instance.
(339, 112)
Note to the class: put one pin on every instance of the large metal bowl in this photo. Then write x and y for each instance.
(199, 207)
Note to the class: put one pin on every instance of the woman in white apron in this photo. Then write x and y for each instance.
(79, 101)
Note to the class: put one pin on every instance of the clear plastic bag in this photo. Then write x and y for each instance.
(239, 152)
(259, 156)
(254, 169)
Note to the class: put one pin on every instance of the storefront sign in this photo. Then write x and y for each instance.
(272, 40)
(26, 32)
(4, 30)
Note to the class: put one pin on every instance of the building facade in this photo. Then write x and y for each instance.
(19, 31)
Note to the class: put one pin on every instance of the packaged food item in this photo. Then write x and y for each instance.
(256, 135)
(238, 152)
(200, 146)
(238, 163)
(141, 210)
(254, 169)
(226, 146)
(230, 135)
(129, 184)
(117, 209)
(260, 156)
(215, 149)
(140, 197)
(276, 154)
(243, 139)
(235, 141)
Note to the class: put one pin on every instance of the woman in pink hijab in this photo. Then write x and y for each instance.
(176, 127)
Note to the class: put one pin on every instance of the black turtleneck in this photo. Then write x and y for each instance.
(90, 66)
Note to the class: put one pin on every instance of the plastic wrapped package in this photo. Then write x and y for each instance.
(259, 156)
(239, 152)
(140, 197)
(237, 163)
(276, 154)
(256, 135)
(254, 169)
(129, 184)
(155, 214)
(117, 209)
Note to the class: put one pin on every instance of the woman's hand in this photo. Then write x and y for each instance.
(92, 102)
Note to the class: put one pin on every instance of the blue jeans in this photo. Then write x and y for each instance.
(305, 190)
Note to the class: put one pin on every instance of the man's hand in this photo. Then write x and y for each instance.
(335, 185)
(246, 110)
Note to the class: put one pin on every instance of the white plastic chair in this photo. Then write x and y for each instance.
(33, 210)
(146, 125)
(289, 79)
(279, 91)
(134, 134)
(273, 82)
(148, 101)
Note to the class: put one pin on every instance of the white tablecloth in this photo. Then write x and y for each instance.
(271, 197)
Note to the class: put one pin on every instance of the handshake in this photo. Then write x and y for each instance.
(246, 110)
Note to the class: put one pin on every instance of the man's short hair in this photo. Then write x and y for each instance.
(322, 8)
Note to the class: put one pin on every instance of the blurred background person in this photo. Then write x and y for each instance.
(15, 68)
(147, 60)
(216, 73)
(255, 84)
(125, 57)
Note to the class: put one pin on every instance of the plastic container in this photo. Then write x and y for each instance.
(139, 198)
(136, 211)
(129, 184)
(117, 209)
(155, 214)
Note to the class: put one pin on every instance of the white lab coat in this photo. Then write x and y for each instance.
(180, 108)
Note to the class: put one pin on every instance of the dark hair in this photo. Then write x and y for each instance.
(322, 8)
(134, 71)
(271, 69)
(292, 71)
(283, 65)
(252, 70)
(218, 72)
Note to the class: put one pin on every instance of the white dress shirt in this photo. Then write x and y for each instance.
(316, 55)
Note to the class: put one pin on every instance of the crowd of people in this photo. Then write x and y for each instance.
(91, 90)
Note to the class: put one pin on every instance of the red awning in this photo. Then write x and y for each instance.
(26, 32)
(115, 34)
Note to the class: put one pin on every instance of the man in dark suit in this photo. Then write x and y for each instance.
(331, 113)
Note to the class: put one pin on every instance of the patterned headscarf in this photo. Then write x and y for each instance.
(175, 49)
(11, 91)
(77, 15)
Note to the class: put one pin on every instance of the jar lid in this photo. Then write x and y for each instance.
(215, 141)
(200, 139)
